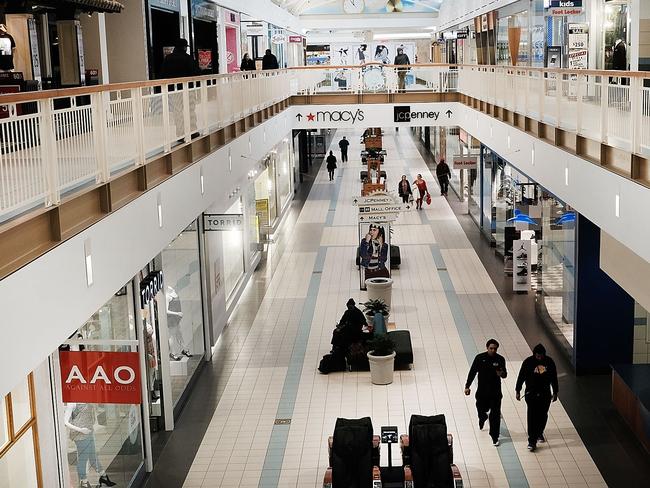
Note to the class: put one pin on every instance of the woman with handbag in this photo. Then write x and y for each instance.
(422, 188)
(404, 189)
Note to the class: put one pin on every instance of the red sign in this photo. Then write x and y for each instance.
(295, 38)
(100, 377)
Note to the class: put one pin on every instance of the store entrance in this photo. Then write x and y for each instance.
(206, 49)
(165, 31)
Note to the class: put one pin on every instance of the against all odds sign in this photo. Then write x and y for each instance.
(100, 377)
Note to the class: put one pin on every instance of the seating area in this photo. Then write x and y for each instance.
(426, 451)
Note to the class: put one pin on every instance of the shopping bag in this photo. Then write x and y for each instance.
(428, 199)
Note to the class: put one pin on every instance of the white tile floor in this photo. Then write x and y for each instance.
(235, 445)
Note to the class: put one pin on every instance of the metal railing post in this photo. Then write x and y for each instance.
(138, 125)
(187, 128)
(604, 108)
(636, 86)
(203, 107)
(50, 153)
(98, 114)
(167, 146)
(579, 103)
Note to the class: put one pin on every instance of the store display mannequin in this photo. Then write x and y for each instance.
(80, 421)
(174, 318)
(7, 49)
(619, 57)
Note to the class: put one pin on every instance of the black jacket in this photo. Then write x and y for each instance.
(442, 169)
(619, 57)
(331, 162)
(351, 325)
(247, 65)
(343, 144)
(400, 188)
(402, 59)
(539, 376)
(179, 64)
(486, 366)
(269, 61)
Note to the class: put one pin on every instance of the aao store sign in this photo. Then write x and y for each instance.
(100, 377)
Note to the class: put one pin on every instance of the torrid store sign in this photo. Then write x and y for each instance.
(100, 377)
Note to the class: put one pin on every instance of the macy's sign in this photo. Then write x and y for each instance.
(100, 377)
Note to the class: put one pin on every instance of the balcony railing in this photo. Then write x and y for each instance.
(58, 142)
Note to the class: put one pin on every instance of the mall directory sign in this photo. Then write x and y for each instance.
(100, 377)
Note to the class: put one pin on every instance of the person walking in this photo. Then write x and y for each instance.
(247, 64)
(331, 164)
(269, 61)
(404, 189)
(540, 375)
(491, 368)
(443, 173)
(422, 189)
(343, 146)
(401, 59)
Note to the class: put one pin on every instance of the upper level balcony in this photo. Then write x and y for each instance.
(59, 145)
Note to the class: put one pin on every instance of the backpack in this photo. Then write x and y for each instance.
(332, 363)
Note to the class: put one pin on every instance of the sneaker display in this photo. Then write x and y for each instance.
(523, 255)
(522, 264)
(523, 272)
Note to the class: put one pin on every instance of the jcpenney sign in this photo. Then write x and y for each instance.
(100, 377)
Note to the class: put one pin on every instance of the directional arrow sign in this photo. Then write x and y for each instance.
(371, 209)
(299, 117)
(383, 217)
(378, 199)
(449, 114)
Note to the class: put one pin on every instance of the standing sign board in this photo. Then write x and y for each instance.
(100, 377)
(521, 268)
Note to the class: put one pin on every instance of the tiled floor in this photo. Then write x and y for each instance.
(442, 294)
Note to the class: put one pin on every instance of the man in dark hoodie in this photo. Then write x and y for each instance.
(540, 375)
(491, 368)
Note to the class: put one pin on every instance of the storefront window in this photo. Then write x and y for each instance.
(180, 265)
(19, 465)
(284, 172)
(102, 439)
(233, 253)
(252, 222)
(558, 264)
(265, 197)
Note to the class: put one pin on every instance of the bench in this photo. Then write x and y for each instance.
(403, 353)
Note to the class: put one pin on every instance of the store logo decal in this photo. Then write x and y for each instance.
(353, 116)
(403, 113)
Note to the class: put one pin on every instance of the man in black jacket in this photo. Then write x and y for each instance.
(540, 375)
(269, 61)
(350, 328)
(343, 145)
(490, 367)
(443, 174)
(401, 59)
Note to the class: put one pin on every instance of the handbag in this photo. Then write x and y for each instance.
(428, 198)
(411, 198)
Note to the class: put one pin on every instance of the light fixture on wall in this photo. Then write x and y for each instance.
(160, 210)
(617, 207)
(532, 155)
(229, 160)
(202, 181)
(250, 147)
(566, 175)
(509, 142)
(88, 259)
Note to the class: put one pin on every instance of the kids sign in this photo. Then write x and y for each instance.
(100, 377)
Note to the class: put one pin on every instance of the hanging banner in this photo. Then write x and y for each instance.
(521, 265)
(100, 377)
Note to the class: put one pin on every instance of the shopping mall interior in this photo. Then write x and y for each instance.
(325, 243)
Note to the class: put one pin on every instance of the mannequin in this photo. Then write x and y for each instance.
(80, 421)
(174, 316)
(619, 57)
(7, 49)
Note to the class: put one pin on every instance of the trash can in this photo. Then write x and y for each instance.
(380, 289)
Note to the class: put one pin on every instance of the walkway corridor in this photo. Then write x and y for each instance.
(442, 295)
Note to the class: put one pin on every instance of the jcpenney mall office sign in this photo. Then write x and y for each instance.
(375, 115)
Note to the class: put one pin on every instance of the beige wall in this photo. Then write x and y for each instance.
(127, 43)
(92, 48)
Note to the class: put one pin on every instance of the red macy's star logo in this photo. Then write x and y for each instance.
(310, 117)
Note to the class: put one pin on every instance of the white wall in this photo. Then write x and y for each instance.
(264, 10)
(127, 43)
(453, 12)
(47, 300)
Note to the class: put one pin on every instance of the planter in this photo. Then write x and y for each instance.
(380, 289)
(381, 368)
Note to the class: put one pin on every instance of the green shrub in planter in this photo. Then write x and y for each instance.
(381, 345)
(371, 307)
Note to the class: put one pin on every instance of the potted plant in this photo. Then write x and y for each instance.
(371, 307)
(382, 359)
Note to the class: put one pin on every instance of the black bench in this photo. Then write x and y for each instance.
(403, 353)
(403, 348)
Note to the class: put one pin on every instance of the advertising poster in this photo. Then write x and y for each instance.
(205, 59)
(521, 265)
